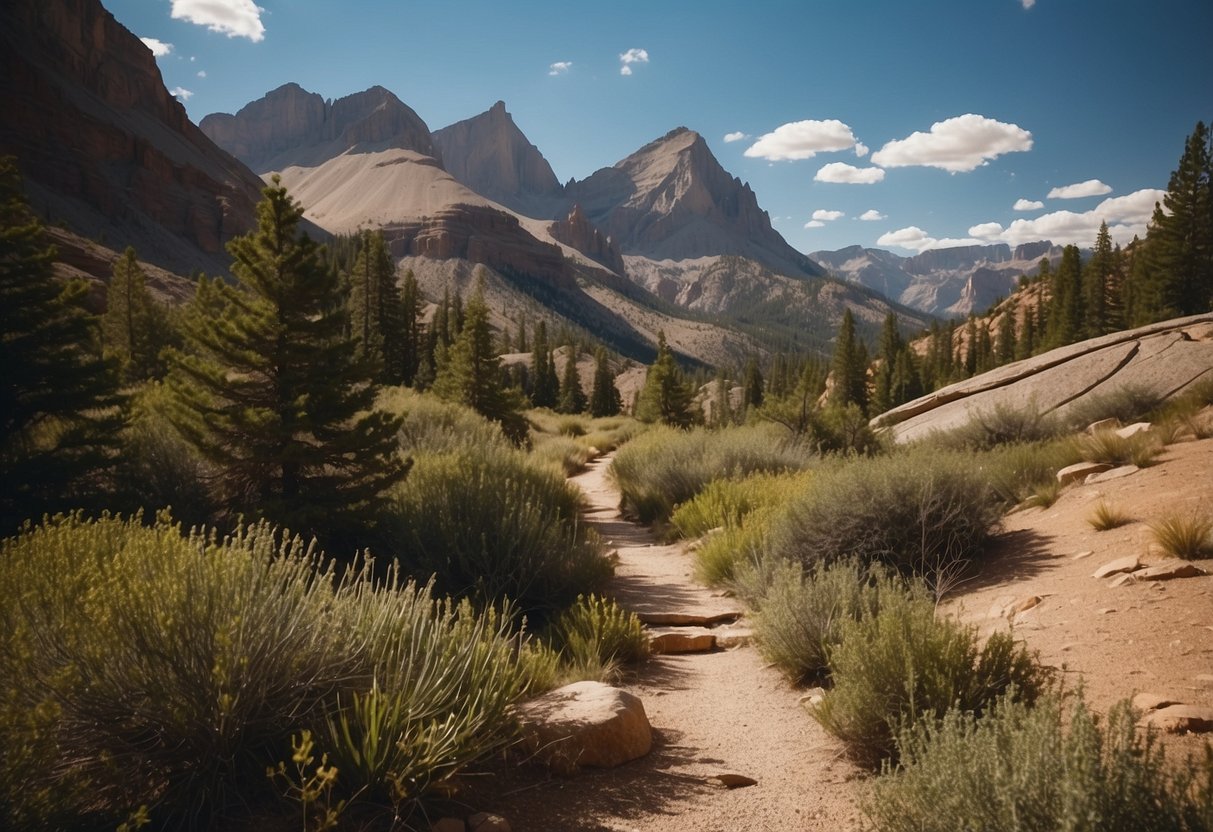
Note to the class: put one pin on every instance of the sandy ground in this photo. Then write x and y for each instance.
(727, 711)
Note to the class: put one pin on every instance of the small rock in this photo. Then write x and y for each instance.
(1079, 471)
(1169, 570)
(449, 825)
(1103, 424)
(1107, 610)
(1022, 605)
(1114, 567)
(1121, 580)
(488, 822)
(1132, 430)
(813, 697)
(731, 781)
(671, 640)
(1114, 474)
(1084, 554)
(1180, 719)
(729, 637)
(1152, 701)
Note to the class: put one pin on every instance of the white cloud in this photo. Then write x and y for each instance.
(234, 18)
(1027, 4)
(915, 239)
(159, 48)
(861, 149)
(632, 56)
(957, 145)
(827, 216)
(1126, 216)
(842, 173)
(1092, 187)
(202, 73)
(802, 140)
(181, 92)
(559, 67)
(1022, 204)
(872, 215)
(729, 138)
(814, 224)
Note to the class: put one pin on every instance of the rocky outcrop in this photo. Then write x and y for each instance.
(671, 200)
(490, 155)
(578, 232)
(1165, 358)
(291, 126)
(104, 146)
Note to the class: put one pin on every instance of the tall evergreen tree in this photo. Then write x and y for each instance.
(271, 390)
(413, 333)
(752, 384)
(604, 397)
(1066, 315)
(1005, 347)
(722, 408)
(890, 346)
(377, 312)
(60, 410)
(1097, 279)
(134, 328)
(572, 397)
(666, 397)
(1181, 236)
(849, 366)
(545, 387)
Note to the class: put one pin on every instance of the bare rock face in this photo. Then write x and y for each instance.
(105, 147)
(671, 200)
(291, 126)
(1165, 357)
(577, 231)
(490, 155)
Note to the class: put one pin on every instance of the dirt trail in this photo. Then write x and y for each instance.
(712, 713)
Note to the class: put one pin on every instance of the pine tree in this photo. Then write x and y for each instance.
(413, 335)
(906, 383)
(849, 366)
(665, 397)
(1181, 237)
(1096, 277)
(604, 397)
(722, 408)
(60, 410)
(377, 312)
(272, 392)
(752, 384)
(545, 389)
(1066, 315)
(472, 373)
(1006, 334)
(572, 397)
(890, 347)
(134, 328)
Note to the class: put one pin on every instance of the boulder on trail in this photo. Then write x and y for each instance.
(586, 724)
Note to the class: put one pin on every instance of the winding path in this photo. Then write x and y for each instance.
(712, 713)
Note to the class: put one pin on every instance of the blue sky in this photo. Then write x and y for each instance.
(890, 123)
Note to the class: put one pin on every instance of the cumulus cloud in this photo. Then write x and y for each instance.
(1027, 205)
(872, 215)
(159, 48)
(181, 92)
(827, 216)
(729, 138)
(861, 149)
(234, 18)
(957, 145)
(1027, 4)
(202, 73)
(1126, 216)
(814, 224)
(802, 140)
(842, 173)
(1092, 187)
(632, 56)
(559, 67)
(915, 239)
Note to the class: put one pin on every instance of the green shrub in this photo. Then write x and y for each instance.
(726, 503)
(718, 557)
(571, 426)
(916, 511)
(1108, 447)
(141, 667)
(904, 665)
(595, 636)
(434, 426)
(1044, 494)
(1004, 424)
(664, 466)
(1045, 767)
(1187, 536)
(491, 526)
(568, 456)
(1106, 517)
(1016, 472)
(801, 617)
(1128, 403)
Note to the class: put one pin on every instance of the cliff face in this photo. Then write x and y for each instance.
(291, 126)
(490, 155)
(577, 231)
(103, 145)
(671, 200)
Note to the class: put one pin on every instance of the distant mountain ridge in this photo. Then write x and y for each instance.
(946, 282)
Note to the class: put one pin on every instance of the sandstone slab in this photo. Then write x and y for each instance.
(1152, 701)
(1169, 570)
(1180, 719)
(672, 640)
(1130, 563)
(1079, 471)
(1129, 431)
(586, 724)
(1112, 474)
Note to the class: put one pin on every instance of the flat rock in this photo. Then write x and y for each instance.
(1021, 605)
(731, 781)
(1079, 471)
(1103, 424)
(1112, 474)
(1152, 701)
(670, 640)
(1132, 430)
(1130, 563)
(729, 637)
(688, 618)
(1121, 580)
(1169, 570)
(1180, 719)
(586, 724)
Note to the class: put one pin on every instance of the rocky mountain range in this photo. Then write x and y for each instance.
(947, 282)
